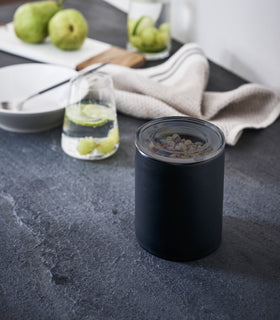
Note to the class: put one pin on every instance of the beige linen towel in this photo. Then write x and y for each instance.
(177, 88)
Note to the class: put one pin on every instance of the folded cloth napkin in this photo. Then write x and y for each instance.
(177, 88)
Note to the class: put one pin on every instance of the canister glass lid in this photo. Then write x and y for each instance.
(180, 140)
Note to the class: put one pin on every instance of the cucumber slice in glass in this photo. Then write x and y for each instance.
(141, 24)
(89, 115)
(131, 25)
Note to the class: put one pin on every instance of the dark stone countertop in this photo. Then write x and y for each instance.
(67, 241)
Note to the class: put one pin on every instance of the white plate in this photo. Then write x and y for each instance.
(43, 112)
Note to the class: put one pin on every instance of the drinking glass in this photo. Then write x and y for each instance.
(90, 128)
(148, 28)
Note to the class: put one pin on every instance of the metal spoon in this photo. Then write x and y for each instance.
(17, 104)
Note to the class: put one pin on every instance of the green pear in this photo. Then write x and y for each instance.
(68, 29)
(31, 20)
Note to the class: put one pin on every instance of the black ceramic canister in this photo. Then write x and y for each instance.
(179, 182)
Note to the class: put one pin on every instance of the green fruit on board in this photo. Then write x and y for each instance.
(31, 20)
(68, 29)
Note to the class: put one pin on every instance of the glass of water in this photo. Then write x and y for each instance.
(90, 128)
(148, 28)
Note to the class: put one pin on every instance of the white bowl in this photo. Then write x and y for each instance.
(42, 112)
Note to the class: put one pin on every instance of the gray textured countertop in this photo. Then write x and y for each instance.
(67, 241)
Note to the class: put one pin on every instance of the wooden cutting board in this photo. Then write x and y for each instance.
(115, 55)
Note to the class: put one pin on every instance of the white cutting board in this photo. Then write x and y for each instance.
(46, 52)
